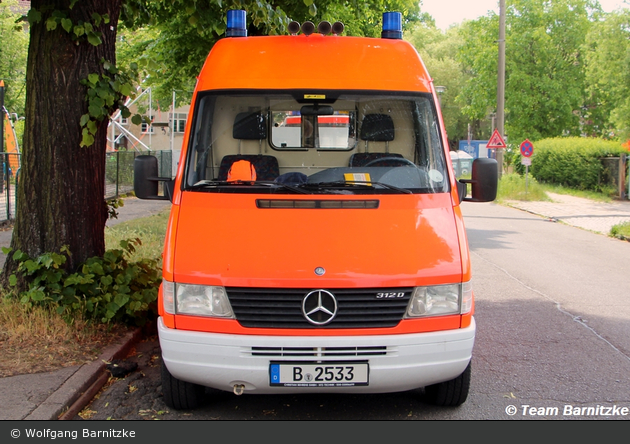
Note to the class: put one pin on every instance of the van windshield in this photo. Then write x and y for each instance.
(298, 142)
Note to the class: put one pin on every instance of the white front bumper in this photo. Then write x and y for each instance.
(222, 361)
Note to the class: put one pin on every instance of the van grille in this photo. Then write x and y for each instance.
(282, 307)
(319, 351)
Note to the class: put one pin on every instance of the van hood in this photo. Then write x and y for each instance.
(226, 239)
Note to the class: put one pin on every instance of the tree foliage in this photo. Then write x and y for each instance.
(171, 41)
(13, 51)
(608, 76)
(439, 51)
(545, 66)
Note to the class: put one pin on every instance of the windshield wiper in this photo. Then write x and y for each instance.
(353, 183)
(220, 183)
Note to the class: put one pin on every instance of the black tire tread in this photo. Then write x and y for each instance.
(180, 395)
(451, 393)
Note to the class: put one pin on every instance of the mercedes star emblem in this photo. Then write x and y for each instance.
(319, 307)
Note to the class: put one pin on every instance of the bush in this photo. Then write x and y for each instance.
(105, 289)
(572, 162)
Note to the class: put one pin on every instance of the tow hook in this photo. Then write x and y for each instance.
(239, 389)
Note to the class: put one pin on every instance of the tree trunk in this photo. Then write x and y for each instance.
(60, 199)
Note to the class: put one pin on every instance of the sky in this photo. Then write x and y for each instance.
(449, 12)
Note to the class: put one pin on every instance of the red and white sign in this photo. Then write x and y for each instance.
(527, 148)
(496, 141)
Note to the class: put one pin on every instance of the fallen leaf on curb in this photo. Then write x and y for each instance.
(87, 413)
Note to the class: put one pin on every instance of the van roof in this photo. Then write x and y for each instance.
(314, 62)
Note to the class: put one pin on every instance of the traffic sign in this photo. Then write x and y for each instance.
(527, 149)
(496, 141)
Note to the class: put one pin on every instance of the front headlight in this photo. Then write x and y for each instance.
(200, 300)
(439, 300)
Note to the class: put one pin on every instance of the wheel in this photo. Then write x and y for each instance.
(387, 161)
(451, 393)
(180, 395)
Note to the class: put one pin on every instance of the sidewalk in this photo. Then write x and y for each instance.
(46, 396)
(598, 217)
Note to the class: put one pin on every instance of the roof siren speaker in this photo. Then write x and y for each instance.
(293, 28)
(308, 28)
(337, 28)
(324, 28)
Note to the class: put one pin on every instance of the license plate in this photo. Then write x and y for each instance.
(344, 374)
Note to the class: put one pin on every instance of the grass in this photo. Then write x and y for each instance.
(37, 340)
(516, 187)
(621, 231)
(150, 230)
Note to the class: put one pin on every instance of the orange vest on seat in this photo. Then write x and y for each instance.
(242, 170)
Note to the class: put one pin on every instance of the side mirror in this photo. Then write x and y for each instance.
(145, 179)
(484, 181)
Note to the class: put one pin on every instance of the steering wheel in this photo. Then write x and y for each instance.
(400, 160)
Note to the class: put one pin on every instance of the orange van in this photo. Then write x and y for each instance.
(315, 240)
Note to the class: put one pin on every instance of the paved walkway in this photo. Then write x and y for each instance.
(590, 215)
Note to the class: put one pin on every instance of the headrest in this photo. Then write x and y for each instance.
(249, 126)
(377, 128)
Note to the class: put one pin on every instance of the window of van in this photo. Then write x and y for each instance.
(349, 143)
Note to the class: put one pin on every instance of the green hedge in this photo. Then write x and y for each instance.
(572, 162)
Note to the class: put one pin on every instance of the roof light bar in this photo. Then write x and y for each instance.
(236, 23)
(392, 25)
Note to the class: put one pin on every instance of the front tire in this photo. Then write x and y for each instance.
(180, 395)
(451, 393)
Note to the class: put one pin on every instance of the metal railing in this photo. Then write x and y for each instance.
(615, 175)
(118, 176)
(119, 170)
(9, 175)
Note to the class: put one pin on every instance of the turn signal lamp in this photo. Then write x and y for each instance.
(392, 25)
(236, 26)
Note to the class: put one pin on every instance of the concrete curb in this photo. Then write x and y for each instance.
(79, 389)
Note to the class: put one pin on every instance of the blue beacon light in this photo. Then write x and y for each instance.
(392, 25)
(236, 26)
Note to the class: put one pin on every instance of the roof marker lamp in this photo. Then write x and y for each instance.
(392, 25)
(236, 26)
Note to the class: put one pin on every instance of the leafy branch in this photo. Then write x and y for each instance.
(106, 93)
